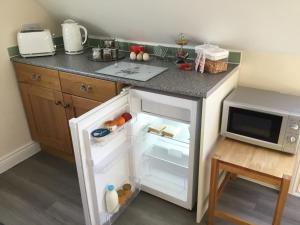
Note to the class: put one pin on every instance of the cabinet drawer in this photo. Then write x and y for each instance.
(99, 90)
(38, 76)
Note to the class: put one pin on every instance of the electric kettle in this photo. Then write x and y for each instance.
(72, 37)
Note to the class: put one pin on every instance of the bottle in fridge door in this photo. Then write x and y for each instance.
(111, 199)
(137, 141)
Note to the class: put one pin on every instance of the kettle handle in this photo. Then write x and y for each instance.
(85, 33)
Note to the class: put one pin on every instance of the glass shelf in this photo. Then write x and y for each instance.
(180, 160)
(167, 183)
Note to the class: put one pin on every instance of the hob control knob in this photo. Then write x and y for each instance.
(295, 126)
(292, 139)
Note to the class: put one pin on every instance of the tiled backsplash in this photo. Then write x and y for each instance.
(13, 51)
(234, 56)
(124, 46)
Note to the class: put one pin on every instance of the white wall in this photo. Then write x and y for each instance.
(14, 131)
(268, 25)
(267, 31)
(272, 71)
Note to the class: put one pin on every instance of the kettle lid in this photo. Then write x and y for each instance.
(70, 21)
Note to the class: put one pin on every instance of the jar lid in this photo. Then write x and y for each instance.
(70, 21)
(212, 52)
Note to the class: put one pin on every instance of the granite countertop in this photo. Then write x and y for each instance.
(172, 81)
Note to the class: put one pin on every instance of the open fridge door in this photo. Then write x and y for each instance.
(104, 161)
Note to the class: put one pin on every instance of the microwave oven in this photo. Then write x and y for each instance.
(264, 118)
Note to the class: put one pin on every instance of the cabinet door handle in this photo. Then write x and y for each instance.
(83, 87)
(35, 77)
(57, 102)
(88, 88)
(66, 105)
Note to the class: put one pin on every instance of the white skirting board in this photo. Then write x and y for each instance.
(20, 154)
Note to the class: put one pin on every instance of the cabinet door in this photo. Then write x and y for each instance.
(76, 106)
(47, 117)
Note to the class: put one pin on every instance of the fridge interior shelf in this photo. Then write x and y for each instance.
(155, 180)
(176, 159)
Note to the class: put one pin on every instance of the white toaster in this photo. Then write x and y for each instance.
(35, 43)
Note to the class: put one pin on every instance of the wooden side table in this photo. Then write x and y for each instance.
(237, 158)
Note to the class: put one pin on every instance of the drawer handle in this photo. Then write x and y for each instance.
(57, 102)
(35, 77)
(85, 87)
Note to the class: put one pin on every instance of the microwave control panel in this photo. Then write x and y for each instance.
(291, 142)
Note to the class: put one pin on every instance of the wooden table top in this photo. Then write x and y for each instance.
(255, 158)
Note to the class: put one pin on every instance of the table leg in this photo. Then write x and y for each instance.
(283, 193)
(213, 190)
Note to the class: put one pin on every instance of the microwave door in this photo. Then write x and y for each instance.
(255, 127)
(101, 162)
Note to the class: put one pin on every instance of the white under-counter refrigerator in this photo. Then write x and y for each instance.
(166, 167)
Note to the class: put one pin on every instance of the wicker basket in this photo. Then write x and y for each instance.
(215, 66)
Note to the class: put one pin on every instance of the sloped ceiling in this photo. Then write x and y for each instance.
(258, 25)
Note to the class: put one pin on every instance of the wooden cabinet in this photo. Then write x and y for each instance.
(48, 120)
(51, 98)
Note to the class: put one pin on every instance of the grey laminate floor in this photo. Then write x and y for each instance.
(44, 190)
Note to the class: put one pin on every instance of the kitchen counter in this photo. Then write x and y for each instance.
(172, 81)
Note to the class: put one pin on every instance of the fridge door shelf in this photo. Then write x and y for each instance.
(111, 218)
(103, 165)
(102, 141)
(114, 168)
